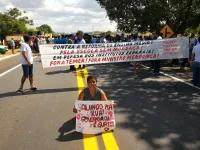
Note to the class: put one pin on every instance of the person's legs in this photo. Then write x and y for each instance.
(13, 48)
(72, 67)
(185, 60)
(139, 66)
(195, 74)
(157, 66)
(31, 78)
(135, 67)
(25, 75)
(152, 64)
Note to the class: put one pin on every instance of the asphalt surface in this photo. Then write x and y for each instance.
(152, 112)
(9, 63)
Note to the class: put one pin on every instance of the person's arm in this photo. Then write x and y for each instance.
(103, 96)
(25, 57)
(80, 97)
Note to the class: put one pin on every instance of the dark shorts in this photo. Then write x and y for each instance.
(27, 70)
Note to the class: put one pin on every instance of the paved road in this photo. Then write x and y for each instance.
(152, 112)
(9, 63)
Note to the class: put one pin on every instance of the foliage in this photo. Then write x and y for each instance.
(152, 15)
(45, 28)
(12, 22)
(32, 30)
(109, 32)
(80, 32)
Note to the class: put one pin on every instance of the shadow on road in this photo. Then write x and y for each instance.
(59, 72)
(68, 133)
(39, 91)
(65, 131)
(164, 113)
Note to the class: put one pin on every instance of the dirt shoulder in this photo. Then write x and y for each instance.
(9, 52)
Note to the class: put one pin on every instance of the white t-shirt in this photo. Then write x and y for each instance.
(82, 42)
(196, 51)
(26, 48)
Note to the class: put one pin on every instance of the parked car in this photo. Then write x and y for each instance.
(3, 49)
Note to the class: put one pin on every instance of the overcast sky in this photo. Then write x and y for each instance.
(64, 15)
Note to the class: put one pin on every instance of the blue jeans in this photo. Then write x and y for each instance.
(196, 72)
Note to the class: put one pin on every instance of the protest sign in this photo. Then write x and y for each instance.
(73, 54)
(94, 117)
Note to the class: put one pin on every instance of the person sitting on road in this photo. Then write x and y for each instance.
(92, 92)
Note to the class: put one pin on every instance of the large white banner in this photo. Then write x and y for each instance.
(94, 117)
(72, 54)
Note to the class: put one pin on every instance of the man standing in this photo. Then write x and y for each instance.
(27, 63)
(195, 61)
(12, 45)
(156, 63)
(80, 40)
(71, 41)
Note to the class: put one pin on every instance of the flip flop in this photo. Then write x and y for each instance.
(20, 90)
(33, 88)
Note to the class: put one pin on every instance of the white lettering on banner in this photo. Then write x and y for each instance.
(94, 117)
(72, 54)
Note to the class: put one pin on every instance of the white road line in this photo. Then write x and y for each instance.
(6, 57)
(177, 79)
(4, 73)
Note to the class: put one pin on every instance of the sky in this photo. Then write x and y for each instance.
(64, 15)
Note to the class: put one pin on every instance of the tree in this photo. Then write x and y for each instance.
(11, 22)
(32, 30)
(9, 26)
(79, 32)
(109, 32)
(152, 15)
(17, 15)
(45, 28)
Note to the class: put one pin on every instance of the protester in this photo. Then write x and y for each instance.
(136, 64)
(195, 62)
(12, 45)
(80, 40)
(71, 41)
(156, 63)
(92, 92)
(27, 63)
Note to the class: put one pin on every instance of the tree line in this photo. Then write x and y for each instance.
(14, 22)
(152, 15)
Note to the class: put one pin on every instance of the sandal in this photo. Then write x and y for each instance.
(33, 88)
(20, 90)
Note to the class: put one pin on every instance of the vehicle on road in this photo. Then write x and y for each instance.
(17, 39)
(3, 49)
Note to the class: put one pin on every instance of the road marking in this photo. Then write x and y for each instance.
(6, 57)
(4, 73)
(90, 141)
(108, 138)
(109, 141)
(175, 78)
(85, 72)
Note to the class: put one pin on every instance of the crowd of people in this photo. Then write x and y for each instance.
(193, 61)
